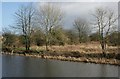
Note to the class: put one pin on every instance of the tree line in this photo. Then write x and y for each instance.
(44, 26)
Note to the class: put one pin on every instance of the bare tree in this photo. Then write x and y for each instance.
(50, 16)
(24, 22)
(82, 27)
(105, 19)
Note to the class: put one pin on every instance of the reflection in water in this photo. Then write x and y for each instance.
(119, 72)
(47, 68)
(18, 66)
(103, 70)
(0, 67)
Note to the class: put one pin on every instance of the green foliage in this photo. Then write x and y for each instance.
(114, 39)
(94, 37)
(58, 36)
(38, 38)
(39, 42)
(72, 37)
(22, 39)
(9, 39)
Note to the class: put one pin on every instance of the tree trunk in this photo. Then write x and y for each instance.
(28, 43)
(103, 42)
(26, 46)
(46, 46)
(46, 43)
(103, 45)
(103, 48)
(79, 38)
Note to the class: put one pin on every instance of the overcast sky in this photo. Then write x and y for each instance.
(72, 10)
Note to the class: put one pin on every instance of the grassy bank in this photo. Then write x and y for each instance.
(71, 53)
(96, 60)
(82, 48)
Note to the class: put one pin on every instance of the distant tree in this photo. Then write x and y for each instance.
(38, 37)
(72, 37)
(113, 39)
(94, 37)
(9, 39)
(24, 23)
(105, 19)
(49, 17)
(58, 36)
(82, 26)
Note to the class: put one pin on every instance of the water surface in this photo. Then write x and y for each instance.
(20, 66)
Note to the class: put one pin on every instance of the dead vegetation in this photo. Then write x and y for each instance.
(86, 48)
(84, 52)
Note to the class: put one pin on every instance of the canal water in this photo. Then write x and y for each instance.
(20, 66)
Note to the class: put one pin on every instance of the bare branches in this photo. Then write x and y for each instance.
(49, 16)
(105, 20)
(82, 27)
(24, 22)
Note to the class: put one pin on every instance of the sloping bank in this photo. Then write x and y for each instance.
(75, 56)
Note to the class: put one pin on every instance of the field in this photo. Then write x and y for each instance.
(87, 48)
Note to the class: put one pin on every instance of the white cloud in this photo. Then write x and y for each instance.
(81, 9)
(84, 9)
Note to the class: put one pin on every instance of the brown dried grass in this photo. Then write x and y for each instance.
(82, 48)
